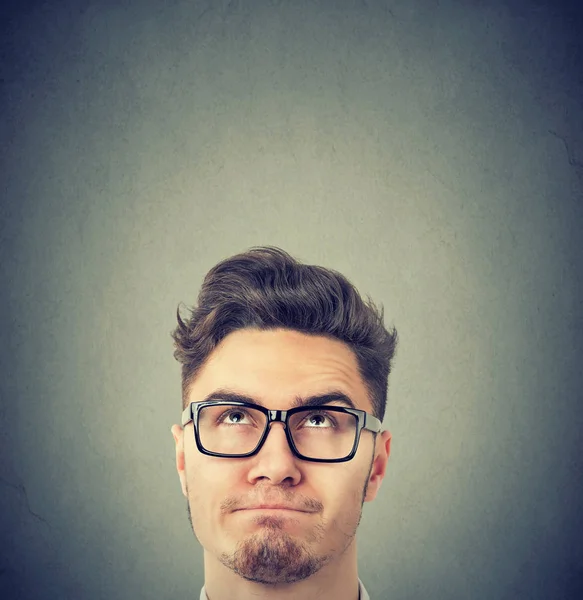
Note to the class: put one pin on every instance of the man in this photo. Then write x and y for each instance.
(284, 382)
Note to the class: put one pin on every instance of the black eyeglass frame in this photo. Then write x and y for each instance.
(364, 421)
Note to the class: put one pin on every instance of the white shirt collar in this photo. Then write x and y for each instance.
(362, 592)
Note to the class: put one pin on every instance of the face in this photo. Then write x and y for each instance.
(274, 367)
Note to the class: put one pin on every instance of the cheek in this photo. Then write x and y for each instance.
(207, 487)
(341, 489)
(209, 482)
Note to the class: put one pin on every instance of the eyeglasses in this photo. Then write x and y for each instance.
(232, 429)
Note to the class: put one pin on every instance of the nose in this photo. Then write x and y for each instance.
(275, 460)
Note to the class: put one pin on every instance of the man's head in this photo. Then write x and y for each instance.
(275, 331)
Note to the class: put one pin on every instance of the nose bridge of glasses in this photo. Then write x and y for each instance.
(277, 415)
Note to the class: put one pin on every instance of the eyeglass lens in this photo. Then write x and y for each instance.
(316, 432)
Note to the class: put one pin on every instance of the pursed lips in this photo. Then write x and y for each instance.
(272, 507)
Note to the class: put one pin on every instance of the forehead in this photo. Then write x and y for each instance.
(275, 366)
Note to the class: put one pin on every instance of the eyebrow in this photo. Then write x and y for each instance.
(314, 400)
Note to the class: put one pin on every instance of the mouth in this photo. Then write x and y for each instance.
(281, 509)
(276, 509)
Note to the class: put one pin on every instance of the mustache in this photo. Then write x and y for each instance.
(298, 501)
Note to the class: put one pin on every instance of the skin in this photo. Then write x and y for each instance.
(251, 554)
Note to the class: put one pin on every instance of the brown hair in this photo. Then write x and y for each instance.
(266, 288)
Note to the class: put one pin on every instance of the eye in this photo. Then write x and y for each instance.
(318, 420)
(233, 417)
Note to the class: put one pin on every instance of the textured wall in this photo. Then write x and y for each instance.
(433, 152)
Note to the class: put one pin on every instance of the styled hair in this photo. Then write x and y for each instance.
(266, 288)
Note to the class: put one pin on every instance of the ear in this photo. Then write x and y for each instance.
(178, 435)
(379, 465)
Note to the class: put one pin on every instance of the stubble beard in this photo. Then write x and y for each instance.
(273, 556)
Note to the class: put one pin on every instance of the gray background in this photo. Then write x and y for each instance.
(432, 152)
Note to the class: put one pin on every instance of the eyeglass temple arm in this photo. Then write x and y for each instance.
(372, 423)
(186, 415)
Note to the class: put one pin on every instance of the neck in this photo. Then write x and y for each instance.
(337, 580)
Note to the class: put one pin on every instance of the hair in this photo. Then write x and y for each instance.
(266, 288)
